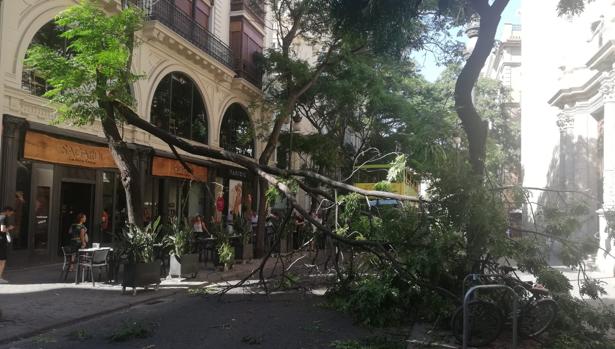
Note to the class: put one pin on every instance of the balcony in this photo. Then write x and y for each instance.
(255, 7)
(171, 16)
(248, 70)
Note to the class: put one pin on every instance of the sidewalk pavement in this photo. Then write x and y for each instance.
(35, 300)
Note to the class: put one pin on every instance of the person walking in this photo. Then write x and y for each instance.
(5, 238)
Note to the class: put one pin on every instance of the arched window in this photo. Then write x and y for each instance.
(236, 134)
(48, 35)
(178, 108)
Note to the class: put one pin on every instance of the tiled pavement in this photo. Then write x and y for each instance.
(36, 300)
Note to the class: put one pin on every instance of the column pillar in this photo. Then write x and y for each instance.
(142, 157)
(11, 139)
(565, 122)
(608, 91)
(606, 263)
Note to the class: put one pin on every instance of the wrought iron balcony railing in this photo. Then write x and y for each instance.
(248, 70)
(173, 17)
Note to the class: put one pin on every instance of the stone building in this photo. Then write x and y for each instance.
(568, 130)
(200, 80)
(504, 65)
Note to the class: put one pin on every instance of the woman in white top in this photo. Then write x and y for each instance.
(198, 226)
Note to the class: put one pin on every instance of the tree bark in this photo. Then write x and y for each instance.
(203, 150)
(474, 126)
(262, 216)
(129, 174)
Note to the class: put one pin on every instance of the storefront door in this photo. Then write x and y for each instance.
(75, 198)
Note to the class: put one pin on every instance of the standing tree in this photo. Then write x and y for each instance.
(94, 72)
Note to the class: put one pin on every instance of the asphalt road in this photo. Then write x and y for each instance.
(208, 321)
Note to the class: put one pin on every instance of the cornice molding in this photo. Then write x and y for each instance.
(246, 88)
(578, 93)
(154, 30)
(604, 58)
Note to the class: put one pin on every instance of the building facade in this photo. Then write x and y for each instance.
(504, 65)
(200, 81)
(568, 115)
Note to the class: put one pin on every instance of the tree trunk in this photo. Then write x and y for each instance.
(129, 173)
(263, 185)
(475, 127)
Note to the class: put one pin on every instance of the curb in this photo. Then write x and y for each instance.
(66, 323)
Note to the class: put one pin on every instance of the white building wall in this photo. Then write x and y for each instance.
(221, 24)
(544, 46)
(556, 56)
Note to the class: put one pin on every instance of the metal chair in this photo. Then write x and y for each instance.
(206, 249)
(98, 260)
(68, 261)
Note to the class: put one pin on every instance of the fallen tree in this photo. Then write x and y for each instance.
(421, 251)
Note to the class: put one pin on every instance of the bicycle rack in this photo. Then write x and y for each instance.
(475, 276)
(467, 297)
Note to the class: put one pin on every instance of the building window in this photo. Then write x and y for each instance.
(236, 134)
(201, 14)
(48, 35)
(178, 108)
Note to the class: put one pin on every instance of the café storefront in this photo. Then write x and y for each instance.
(176, 192)
(49, 175)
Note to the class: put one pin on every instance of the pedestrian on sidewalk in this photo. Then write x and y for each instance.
(79, 233)
(5, 238)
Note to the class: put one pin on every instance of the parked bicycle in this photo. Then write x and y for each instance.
(489, 312)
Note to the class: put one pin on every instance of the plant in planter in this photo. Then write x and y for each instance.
(224, 249)
(226, 254)
(136, 246)
(183, 260)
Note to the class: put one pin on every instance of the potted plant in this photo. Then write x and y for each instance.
(225, 253)
(183, 260)
(136, 246)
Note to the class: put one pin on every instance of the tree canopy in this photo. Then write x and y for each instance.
(358, 79)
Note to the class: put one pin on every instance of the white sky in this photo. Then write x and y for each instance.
(426, 60)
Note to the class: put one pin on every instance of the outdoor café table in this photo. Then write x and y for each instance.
(85, 252)
(203, 245)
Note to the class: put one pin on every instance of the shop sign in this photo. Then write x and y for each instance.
(42, 147)
(233, 173)
(165, 167)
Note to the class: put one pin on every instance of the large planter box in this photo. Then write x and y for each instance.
(238, 249)
(248, 252)
(141, 275)
(188, 264)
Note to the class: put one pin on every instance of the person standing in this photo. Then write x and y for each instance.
(219, 207)
(79, 233)
(5, 238)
